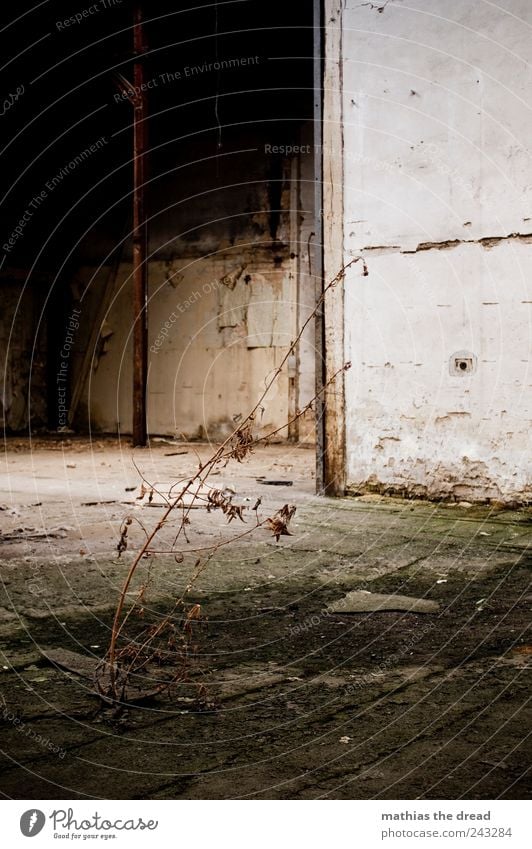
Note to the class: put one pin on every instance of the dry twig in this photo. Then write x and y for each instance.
(171, 641)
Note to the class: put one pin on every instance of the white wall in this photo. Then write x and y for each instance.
(437, 126)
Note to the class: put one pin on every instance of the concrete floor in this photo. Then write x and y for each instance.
(430, 701)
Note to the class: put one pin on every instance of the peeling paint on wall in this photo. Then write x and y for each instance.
(438, 197)
(211, 348)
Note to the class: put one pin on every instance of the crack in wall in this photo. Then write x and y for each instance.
(486, 242)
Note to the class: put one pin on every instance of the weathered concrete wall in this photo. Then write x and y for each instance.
(437, 198)
(224, 305)
(217, 328)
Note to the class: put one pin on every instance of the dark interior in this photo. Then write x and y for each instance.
(200, 118)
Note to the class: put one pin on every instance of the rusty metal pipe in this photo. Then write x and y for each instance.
(140, 276)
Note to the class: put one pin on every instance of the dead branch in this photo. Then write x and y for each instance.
(121, 663)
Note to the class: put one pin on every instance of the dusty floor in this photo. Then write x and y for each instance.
(310, 704)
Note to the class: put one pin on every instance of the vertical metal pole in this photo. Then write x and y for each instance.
(318, 243)
(294, 298)
(140, 288)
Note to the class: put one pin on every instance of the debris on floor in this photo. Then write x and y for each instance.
(32, 533)
(363, 601)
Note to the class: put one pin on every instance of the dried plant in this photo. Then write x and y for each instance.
(279, 523)
(157, 657)
(242, 442)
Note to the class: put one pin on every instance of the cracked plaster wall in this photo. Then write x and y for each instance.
(438, 198)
